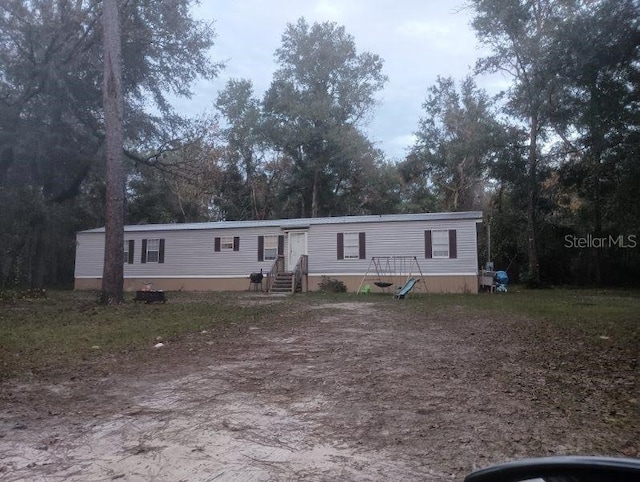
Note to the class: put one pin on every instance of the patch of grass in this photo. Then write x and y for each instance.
(557, 305)
(69, 327)
(66, 327)
(572, 322)
(559, 327)
(575, 350)
(561, 305)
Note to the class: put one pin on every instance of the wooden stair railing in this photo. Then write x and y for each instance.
(277, 267)
(301, 274)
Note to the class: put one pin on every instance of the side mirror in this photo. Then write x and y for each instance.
(561, 469)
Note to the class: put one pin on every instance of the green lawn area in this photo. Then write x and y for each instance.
(591, 306)
(71, 327)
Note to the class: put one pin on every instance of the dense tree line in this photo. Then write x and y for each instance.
(552, 161)
(52, 124)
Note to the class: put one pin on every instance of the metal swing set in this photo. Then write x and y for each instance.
(387, 271)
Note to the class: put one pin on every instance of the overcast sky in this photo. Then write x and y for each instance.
(418, 40)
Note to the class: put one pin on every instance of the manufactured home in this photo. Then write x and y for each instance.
(220, 256)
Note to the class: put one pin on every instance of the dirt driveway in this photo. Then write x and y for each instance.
(340, 391)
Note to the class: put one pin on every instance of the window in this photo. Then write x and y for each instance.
(128, 252)
(152, 251)
(227, 243)
(270, 248)
(351, 245)
(441, 243)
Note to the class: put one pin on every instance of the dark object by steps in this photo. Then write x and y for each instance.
(150, 296)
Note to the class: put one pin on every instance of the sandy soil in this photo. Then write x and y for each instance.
(350, 391)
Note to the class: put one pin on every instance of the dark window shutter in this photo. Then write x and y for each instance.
(143, 255)
(281, 245)
(453, 243)
(236, 243)
(362, 246)
(131, 245)
(216, 244)
(428, 252)
(340, 245)
(161, 253)
(260, 248)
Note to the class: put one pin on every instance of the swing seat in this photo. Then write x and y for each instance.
(382, 284)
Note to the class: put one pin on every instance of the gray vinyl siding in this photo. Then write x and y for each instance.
(392, 239)
(186, 254)
(90, 255)
(191, 252)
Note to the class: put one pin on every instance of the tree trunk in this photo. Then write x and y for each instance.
(597, 148)
(314, 193)
(534, 268)
(39, 266)
(113, 272)
(596, 264)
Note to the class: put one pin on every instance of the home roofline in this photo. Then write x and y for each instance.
(301, 223)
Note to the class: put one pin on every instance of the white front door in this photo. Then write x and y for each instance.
(297, 247)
